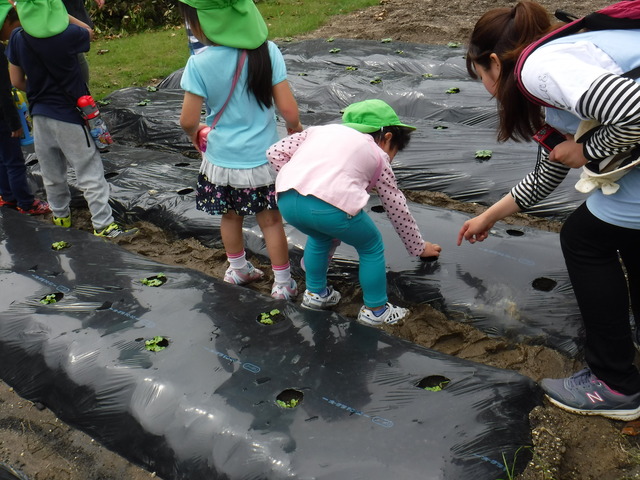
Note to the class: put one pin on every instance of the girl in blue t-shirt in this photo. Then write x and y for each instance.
(241, 77)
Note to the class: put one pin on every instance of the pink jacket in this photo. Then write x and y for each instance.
(340, 165)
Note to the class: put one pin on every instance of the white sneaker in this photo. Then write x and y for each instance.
(391, 316)
(314, 301)
(285, 292)
(243, 276)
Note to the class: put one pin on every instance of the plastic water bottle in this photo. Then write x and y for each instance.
(96, 125)
(20, 100)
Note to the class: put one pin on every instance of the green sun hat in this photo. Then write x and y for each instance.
(371, 115)
(42, 18)
(4, 11)
(232, 23)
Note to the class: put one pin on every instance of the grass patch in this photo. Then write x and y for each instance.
(142, 59)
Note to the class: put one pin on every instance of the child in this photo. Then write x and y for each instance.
(43, 57)
(14, 190)
(325, 174)
(581, 76)
(235, 178)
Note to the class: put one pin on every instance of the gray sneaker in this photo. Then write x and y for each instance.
(314, 301)
(585, 394)
(115, 231)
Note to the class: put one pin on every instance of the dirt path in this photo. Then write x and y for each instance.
(566, 447)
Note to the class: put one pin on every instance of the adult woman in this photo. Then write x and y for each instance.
(580, 76)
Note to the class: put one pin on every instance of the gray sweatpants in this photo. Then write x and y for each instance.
(57, 143)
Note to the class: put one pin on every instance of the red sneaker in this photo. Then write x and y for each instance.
(4, 203)
(38, 207)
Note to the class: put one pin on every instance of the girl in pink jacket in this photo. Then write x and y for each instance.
(324, 177)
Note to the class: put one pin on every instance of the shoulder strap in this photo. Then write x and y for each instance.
(241, 58)
(622, 15)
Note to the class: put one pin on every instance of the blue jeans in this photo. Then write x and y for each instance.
(322, 222)
(13, 172)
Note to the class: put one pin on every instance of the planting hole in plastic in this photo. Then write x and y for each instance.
(433, 383)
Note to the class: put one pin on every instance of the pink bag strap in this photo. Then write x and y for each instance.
(241, 59)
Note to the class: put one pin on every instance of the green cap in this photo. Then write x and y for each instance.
(371, 115)
(42, 18)
(232, 23)
(4, 10)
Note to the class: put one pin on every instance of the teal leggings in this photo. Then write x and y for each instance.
(322, 222)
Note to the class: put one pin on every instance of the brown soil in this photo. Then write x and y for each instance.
(565, 446)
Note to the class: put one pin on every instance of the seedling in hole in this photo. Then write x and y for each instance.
(400, 52)
(302, 74)
(453, 44)
(438, 387)
(427, 75)
(330, 39)
(144, 103)
(387, 40)
(151, 88)
(156, 344)
(60, 245)
(51, 298)
(484, 154)
(351, 68)
(158, 280)
(376, 80)
(334, 50)
(266, 317)
(453, 90)
(289, 403)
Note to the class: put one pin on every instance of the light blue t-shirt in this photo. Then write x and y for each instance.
(245, 130)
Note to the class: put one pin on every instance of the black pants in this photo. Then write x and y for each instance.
(595, 252)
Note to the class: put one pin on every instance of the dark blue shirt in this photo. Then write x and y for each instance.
(54, 78)
(8, 113)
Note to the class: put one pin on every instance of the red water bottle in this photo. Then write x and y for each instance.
(96, 125)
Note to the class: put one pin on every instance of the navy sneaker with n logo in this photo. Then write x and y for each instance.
(585, 394)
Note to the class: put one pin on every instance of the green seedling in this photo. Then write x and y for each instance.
(387, 40)
(302, 74)
(156, 281)
(453, 44)
(287, 39)
(289, 403)
(438, 387)
(266, 318)
(144, 103)
(51, 298)
(330, 39)
(334, 50)
(484, 154)
(103, 103)
(376, 80)
(351, 68)
(60, 245)
(156, 344)
(440, 127)
(427, 75)
(400, 52)
(453, 90)
(151, 88)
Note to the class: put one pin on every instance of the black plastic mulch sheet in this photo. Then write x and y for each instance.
(413, 78)
(514, 284)
(219, 401)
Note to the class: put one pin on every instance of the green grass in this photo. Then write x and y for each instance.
(142, 59)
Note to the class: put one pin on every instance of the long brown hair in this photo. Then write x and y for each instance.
(506, 32)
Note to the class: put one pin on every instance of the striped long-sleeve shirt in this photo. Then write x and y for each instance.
(583, 80)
